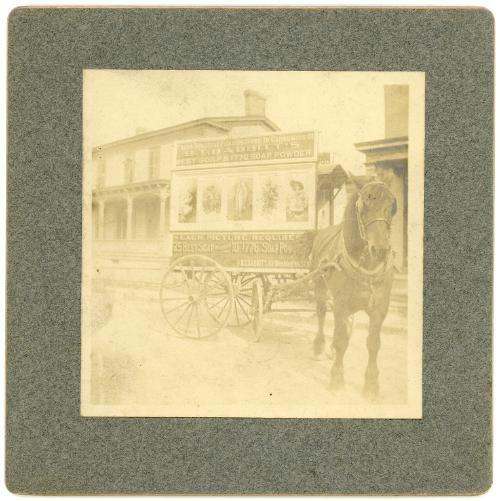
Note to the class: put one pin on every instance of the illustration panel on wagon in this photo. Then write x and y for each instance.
(252, 244)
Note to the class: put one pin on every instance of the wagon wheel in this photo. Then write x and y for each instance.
(196, 296)
(242, 290)
(257, 308)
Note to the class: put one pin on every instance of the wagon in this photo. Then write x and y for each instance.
(241, 211)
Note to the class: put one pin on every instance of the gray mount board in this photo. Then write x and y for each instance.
(51, 449)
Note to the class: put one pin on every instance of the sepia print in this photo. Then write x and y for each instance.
(187, 201)
(252, 244)
(240, 200)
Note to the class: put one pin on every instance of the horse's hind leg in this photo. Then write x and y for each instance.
(371, 387)
(340, 342)
(319, 340)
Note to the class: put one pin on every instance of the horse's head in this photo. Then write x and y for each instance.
(375, 207)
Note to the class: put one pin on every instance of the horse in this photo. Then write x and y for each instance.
(357, 263)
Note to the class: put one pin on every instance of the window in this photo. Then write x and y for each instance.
(129, 168)
(154, 163)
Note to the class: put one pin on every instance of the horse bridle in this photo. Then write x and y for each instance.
(368, 276)
(363, 225)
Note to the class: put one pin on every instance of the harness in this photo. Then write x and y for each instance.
(363, 225)
(354, 270)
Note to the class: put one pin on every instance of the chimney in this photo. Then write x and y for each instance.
(255, 104)
(396, 110)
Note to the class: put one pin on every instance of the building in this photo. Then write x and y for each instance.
(387, 158)
(131, 190)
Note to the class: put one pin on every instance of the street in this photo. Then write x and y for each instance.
(136, 361)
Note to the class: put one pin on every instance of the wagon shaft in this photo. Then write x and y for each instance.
(279, 292)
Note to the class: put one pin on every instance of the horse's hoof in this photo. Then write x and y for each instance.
(318, 347)
(337, 379)
(371, 390)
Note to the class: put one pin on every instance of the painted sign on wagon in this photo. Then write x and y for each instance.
(248, 250)
(270, 148)
(277, 197)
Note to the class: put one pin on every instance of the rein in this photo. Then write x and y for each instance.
(341, 260)
(355, 268)
(361, 270)
(369, 278)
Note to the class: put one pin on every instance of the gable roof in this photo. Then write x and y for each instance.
(246, 118)
(221, 123)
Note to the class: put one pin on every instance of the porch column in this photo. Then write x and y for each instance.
(130, 207)
(100, 220)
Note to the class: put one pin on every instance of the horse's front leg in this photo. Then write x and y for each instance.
(371, 387)
(319, 340)
(340, 342)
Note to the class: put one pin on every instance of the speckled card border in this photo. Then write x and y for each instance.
(51, 449)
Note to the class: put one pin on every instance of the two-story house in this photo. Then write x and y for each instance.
(131, 189)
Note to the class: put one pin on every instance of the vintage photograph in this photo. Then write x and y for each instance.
(269, 196)
(252, 244)
(188, 197)
(211, 200)
(297, 200)
(240, 199)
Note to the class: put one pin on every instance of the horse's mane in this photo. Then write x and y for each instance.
(319, 242)
(352, 237)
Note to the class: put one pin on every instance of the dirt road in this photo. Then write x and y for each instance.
(138, 362)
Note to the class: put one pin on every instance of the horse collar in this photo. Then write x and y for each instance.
(362, 273)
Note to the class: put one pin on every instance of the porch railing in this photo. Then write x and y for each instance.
(133, 247)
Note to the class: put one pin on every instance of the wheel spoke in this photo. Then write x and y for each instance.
(215, 287)
(202, 273)
(236, 313)
(189, 320)
(244, 300)
(217, 294)
(189, 306)
(186, 279)
(198, 320)
(209, 275)
(216, 277)
(197, 282)
(223, 309)
(177, 307)
(248, 279)
(175, 285)
(243, 309)
(214, 305)
(211, 291)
